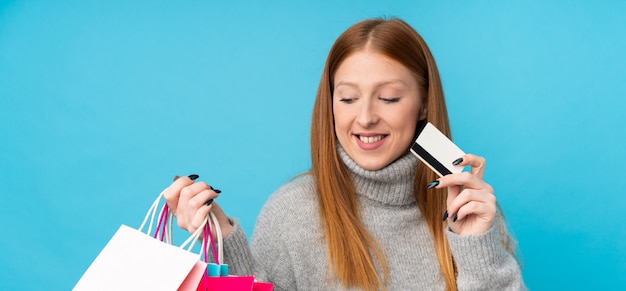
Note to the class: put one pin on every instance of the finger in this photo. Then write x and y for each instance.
(465, 179)
(477, 164)
(172, 192)
(201, 199)
(482, 211)
(195, 198)
(472, 197)
(194, 189)
(453, 192)
(199, 217)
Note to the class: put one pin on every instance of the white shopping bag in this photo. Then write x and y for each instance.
(133, 260)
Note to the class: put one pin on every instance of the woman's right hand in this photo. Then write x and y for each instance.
(188, 202)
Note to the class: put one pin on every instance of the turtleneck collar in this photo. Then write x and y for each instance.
(392, 185)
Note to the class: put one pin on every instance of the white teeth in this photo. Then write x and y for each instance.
(370, 139)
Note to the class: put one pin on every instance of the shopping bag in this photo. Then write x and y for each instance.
(234, 283)
(216, 277)
(134, 260)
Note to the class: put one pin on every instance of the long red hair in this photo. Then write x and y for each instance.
(352, 252)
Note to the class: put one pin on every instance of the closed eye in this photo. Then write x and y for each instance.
(346, 100)
(390, 100)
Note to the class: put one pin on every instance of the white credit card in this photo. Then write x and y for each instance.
(437, 151)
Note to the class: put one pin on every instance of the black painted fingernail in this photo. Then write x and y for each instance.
(209, 202)
(456, 216)
(432, 184)
(218, 191)
(445, 215)
(176, 178)
(193, 177)
(457, 161)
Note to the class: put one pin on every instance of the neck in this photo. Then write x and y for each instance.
(392, 185)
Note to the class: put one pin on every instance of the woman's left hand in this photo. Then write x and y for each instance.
(471, 205)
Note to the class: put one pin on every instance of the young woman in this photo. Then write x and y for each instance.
(369, 215)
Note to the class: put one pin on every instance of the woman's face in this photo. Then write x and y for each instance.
(376, 106)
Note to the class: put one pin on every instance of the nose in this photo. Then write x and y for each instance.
(367, 115)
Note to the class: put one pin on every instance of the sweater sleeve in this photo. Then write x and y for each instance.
(270, 252)
(237, 252)
(271, 255)
(241, 261)
(266, 257)
(482, 262)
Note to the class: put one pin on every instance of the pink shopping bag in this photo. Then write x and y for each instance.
(224, 282)
(233, 283)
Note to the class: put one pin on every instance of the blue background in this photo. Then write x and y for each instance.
(102, 102)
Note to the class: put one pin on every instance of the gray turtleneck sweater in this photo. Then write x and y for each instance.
(288, 246)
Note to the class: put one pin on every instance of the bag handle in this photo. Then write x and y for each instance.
(164, 228)
(164, 224)
(208, 240)
(191, 240)
(220, 239)
(151, 214)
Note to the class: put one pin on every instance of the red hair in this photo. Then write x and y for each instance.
(352, 252)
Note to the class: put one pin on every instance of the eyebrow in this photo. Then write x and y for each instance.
(377, 85)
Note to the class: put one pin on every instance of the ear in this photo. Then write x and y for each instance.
(423, 113)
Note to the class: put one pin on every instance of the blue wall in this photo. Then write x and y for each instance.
(102, 102)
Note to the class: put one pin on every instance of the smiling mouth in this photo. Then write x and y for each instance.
(371, 139)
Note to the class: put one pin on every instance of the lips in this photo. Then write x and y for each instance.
(370, 139)
(370, 142)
